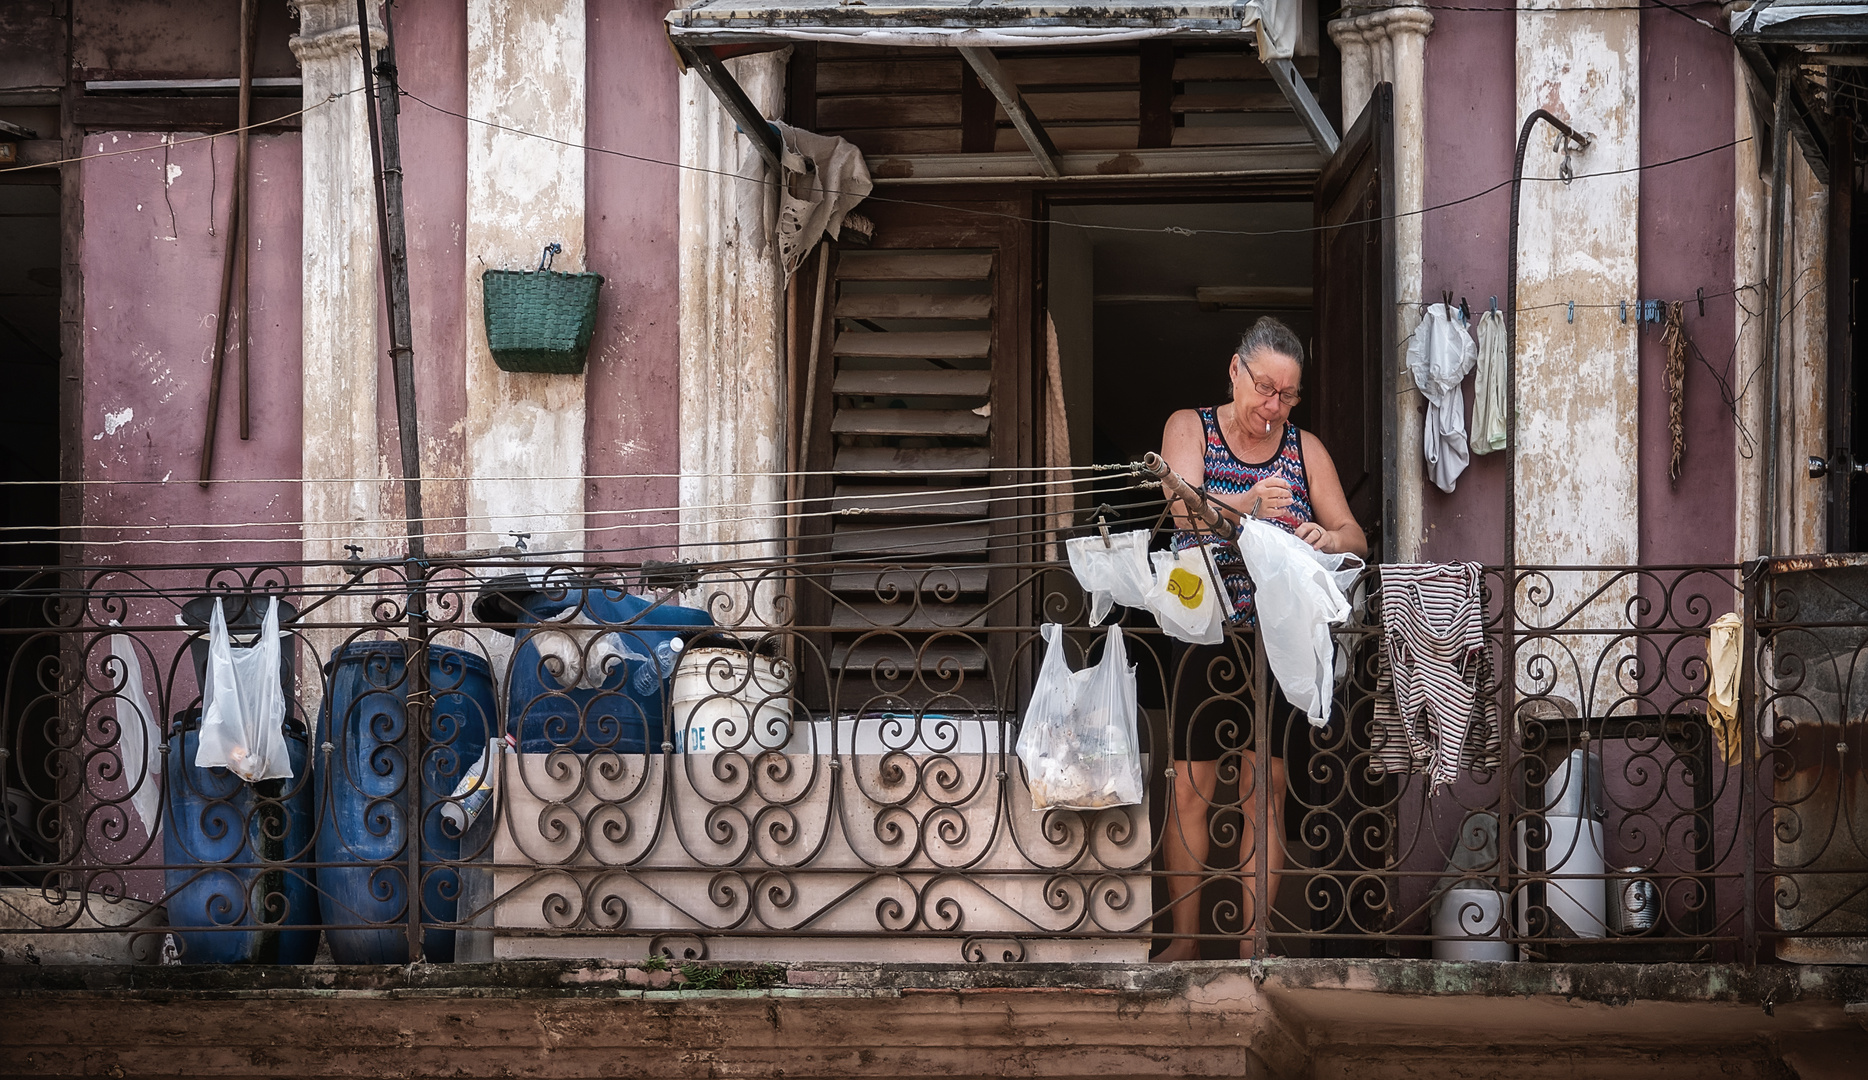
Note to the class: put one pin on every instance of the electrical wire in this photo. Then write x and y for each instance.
(778, 473)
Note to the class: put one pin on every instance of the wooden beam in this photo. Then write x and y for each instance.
(994, 78)
(733, 99)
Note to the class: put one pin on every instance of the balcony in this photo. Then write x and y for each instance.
(776, 790)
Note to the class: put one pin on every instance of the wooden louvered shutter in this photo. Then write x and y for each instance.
(924, 369)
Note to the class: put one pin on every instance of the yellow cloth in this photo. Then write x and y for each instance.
(1724, 649)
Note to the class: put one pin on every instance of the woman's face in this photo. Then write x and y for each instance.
(1264, 389)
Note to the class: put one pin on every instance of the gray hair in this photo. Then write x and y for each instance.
(1269, 333)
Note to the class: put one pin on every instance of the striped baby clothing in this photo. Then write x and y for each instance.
(1436, 700)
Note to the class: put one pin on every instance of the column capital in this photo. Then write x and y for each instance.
(1372, 24)
(328, 28)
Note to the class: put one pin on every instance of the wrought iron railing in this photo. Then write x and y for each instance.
(815, 775)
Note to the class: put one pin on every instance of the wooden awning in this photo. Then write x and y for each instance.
(978, 27)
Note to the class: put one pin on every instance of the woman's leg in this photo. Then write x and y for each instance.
(1266, 844)
(1184, 849)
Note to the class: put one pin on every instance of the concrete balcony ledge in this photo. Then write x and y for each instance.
(1288, 1018)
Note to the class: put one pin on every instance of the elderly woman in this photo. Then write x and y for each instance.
(1250, 459)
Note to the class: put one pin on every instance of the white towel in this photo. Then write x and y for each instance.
(1488, 387)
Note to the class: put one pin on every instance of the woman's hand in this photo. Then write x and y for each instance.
(1269, 498)
(1313, 534)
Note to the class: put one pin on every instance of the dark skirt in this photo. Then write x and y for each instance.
(1212, 715)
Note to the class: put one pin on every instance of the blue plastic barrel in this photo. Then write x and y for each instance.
(362, 841)
(624, 716)
(212, 823)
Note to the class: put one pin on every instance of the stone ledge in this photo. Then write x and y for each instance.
(1602, 983)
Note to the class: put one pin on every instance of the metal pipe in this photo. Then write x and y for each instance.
(1508, 630)
(1774, 303)
(242, 198)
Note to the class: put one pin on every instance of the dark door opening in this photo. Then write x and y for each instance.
(29, 354)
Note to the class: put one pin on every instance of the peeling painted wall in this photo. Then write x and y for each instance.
(732, 411)
(525, 431)
(632, 386)
(154, 233)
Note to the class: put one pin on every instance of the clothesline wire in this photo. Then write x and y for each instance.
(170, 143)
(506, 564)
(872, 531)
(703, 475)
(1174, 230)
(1610, 305)
(1031, 489)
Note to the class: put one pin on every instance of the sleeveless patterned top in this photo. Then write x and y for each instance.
(1227, 478)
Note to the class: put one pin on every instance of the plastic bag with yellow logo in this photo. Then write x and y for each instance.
(1188, 599)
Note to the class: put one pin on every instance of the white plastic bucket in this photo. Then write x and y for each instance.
(1467, 926)
(729, 699)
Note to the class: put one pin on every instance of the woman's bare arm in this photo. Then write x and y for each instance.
(1183, 444)
(1339, 531)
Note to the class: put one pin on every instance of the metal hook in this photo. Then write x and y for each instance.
(551, 250)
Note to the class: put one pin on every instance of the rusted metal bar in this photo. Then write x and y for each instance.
(1195, 502)
(242, 198)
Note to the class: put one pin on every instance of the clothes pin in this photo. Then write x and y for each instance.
(1624, 312)
(1102, 522)
(1701, 293)
(1465, 313)
(1494, 305)
(1572, 317)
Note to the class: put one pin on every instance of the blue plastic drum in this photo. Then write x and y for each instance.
(624, 716)
(362, 844)
(234, 884)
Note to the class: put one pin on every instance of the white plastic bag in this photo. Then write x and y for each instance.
(1188, 600)
(138, 738)
(1077, 740)
(1113, 570)
(1298, 593)
(243, 703)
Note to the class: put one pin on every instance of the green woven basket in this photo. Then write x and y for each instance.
(540, 320)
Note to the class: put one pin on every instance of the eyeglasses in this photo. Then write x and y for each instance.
(1266, 388)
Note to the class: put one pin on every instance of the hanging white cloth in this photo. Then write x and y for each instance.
(824, 177)
(139, 736)
(1299, 594)
(1440, 355)
(1488, 387)
(243, 703)
(1113, 570)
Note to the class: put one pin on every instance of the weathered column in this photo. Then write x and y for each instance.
(1751, 207)
(344, 462)
(1577, 456)
(525, 432)
(1389, 45)
(732, 304)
